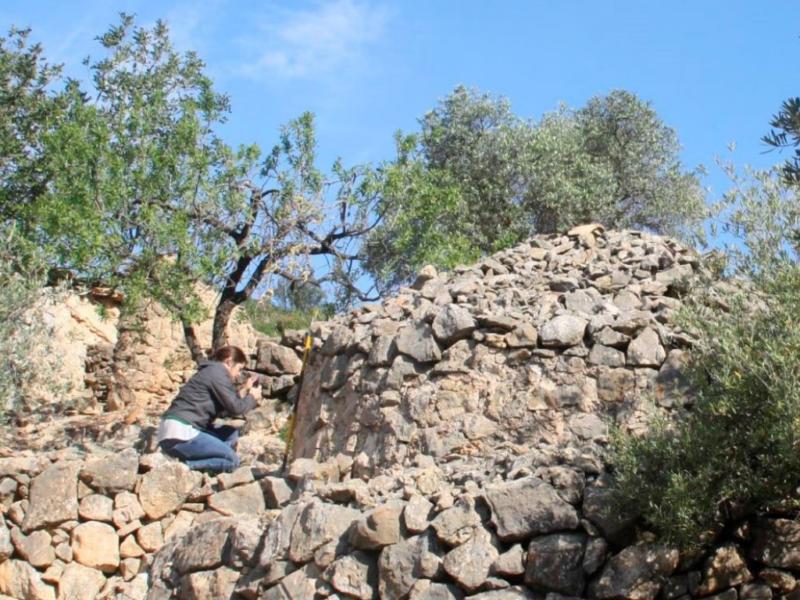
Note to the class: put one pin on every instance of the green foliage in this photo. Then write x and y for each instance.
(738, 451)
(28, 112)
(125, 180)
(291, 307)
(27, 360)
(477, 179)
(786, 134)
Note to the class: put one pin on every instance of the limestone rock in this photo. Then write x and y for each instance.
(96, 545)
(646, 350)
(53, 497)
(453, 323)
(275, 359)
(300, 585)
(6, 547)
(316, 525)
(354, 575)
(209, 585)
(418, 343)
(457, 524)
(96, 507)
(470, 563)
(377, 528)
(563, 331)
(79, 582)
(527, 507)
(777, 544)
(20, 580)
(636, 573)
(203, 548)
(111, 474)
(165, 488)
(555, 564)
(726, 568)
(35, 548)
(244, 500)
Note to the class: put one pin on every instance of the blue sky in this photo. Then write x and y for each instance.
(714, 70)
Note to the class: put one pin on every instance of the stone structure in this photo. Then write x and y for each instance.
(544, 345)
(449, 446)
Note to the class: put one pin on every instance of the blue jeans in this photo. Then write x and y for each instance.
(212, 449)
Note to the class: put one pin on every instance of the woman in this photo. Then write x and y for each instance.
(187, 428)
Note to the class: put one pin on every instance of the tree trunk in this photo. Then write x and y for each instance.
(222, 317)
(190, 336)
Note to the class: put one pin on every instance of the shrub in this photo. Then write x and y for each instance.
(737, 452)
(27, 356)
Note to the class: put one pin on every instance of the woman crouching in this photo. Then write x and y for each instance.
(187, 428)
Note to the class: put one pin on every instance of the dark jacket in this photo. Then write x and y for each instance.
(208, 394)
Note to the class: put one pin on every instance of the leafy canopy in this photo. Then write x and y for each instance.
(127, 181)
(477, 178)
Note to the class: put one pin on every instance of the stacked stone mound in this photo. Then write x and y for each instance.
(535, 350)
(449, 446)
(75, 527)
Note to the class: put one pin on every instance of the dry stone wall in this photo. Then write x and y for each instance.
(449, 446)
(543, 346)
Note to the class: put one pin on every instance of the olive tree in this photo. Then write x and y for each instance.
(140, 191)
(477, 178)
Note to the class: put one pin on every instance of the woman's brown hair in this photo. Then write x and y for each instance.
(236, 354)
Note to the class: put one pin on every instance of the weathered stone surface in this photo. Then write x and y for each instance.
(726, 568)
(527, 507)
(53, 497)
(418, 343)
(777, 544)
(599, 508)
(511, 563)
(377, 528)
(428, 590)
(205, 547)
(512, 593)
(646, 350)
(20, 580)
(636, 573)
(209, 585)
(562, 331)
(127, 509)
(6, 547)
(275, 359)
(165, 488)
(27, 465)
(470, 563)
(241, 476)
(96, 545)
(112, 474)
(417, 514)
(780, 581)
(96, 507)
(244, 500)
(300, 585)
(396, 569)
(555, 564)
(277, 492)
(79, 582)
(151, 536)
(35, 548)
(245, 539)
(453, 323)
(317, 525)
(755, 591)
(355, 575)
(130, 548)
(456, 525)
